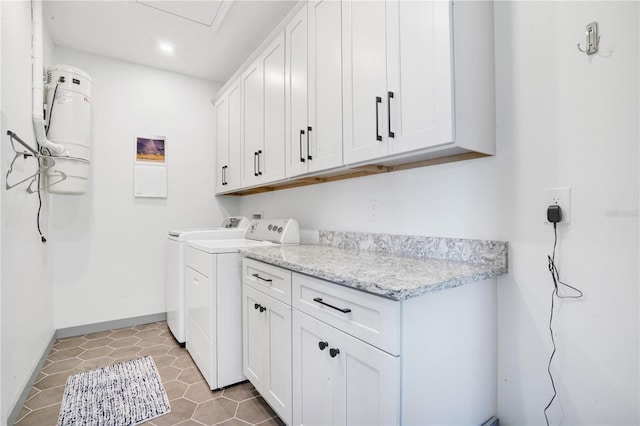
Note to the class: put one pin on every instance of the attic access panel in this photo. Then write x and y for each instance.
(202, 12)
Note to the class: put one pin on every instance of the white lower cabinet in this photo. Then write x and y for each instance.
(338, 379)
(267, 348)
(326, 354)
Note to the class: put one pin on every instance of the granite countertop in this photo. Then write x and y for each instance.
(396, 267)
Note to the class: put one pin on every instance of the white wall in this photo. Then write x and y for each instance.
(564, 119)
(26, 283)
(572, 121)
(108, 247)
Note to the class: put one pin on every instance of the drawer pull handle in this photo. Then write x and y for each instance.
(322, 345)
(260, 278)
(343, 310)
(259, 306)
(333, 352)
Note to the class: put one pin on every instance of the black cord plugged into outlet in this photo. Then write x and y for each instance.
(554, 215)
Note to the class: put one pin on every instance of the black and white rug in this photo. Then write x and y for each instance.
(128, 393)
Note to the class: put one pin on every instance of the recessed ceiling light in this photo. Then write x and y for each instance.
(166, 47)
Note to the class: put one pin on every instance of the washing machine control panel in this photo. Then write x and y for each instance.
(281, 231)
(235, 222)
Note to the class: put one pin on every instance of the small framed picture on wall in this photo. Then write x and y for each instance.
(150, 167)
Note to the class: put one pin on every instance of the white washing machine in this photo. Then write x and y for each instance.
(214, 298)
(231, 227)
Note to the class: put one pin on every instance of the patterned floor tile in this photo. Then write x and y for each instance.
(192, 402)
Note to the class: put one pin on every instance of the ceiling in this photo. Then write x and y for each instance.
(132, 30)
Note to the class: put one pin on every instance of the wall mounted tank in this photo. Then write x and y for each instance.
(68, 96)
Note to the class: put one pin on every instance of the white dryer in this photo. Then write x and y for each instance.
(231, 228)
(214, 298)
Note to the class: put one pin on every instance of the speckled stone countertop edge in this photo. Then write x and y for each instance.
(379, 289)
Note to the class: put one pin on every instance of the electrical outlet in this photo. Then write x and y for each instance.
(560, 197)
(373, 209)
(257, 215)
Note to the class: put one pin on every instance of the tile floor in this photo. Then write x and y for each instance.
(192, 402)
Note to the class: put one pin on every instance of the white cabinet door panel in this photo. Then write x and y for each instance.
(222, 141)
(370, 384)
(297, 99)
(419, 75)
(312, 372)
(252, 123)
(365, 67)
(325, 84)
(277, 391)
(271, 161)
(349, 382)
(232, 172)
(254, 331)
(267, 349)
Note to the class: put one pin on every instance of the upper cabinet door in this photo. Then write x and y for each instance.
(325, 85)
(297, 146)
(398, 77)
(228, 139)
(271, 160)
(314, 88)
(263, 128)
(232, 172)
(364, 77)
(419, 75)
(222, 141)
(252, 123)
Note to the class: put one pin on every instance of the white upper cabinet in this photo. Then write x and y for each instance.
(419, 75)
(314, 89)
(222, 141)
(361, 82)
(365, 79)
(397, 77)
(297, 133)
(263, 131)
(228, 126)
(402, 92)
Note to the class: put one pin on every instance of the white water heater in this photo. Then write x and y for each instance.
(68, 99)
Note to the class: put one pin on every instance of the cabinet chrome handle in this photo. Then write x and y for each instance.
(322, 345)
(378, 102)
(255, 168)
(309, 157)
(301, 155)
(333, 352)
(389, 97)
(224, 175)
(263, 279)
(259, 154)
(343, 310)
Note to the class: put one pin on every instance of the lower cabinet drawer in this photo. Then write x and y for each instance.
(370, 318)
(269, 279)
